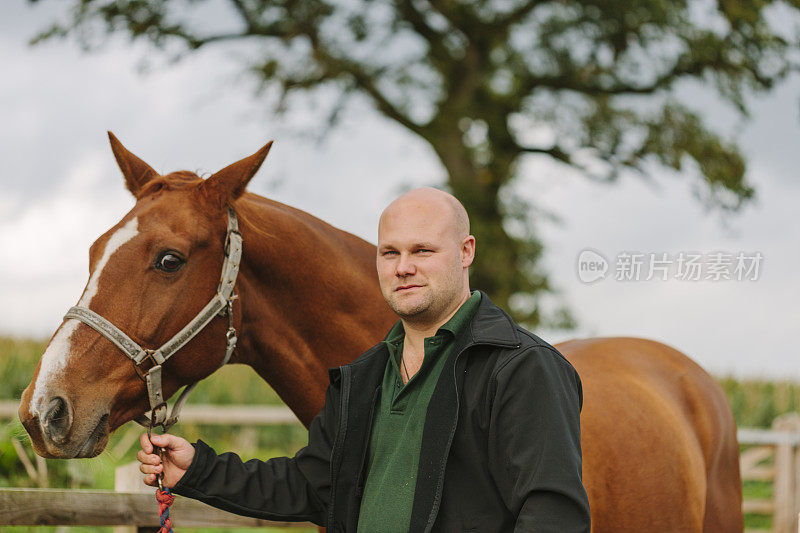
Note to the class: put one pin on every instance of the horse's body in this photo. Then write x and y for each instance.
(658, 439)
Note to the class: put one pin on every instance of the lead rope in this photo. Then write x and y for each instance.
(164, 496)
(165, 499)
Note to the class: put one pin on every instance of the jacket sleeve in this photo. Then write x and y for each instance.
(534, 442)
(282, 488)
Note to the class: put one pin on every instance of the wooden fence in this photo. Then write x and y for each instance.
(58, 507)
(774, 456)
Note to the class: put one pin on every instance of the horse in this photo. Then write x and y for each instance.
(659, 441)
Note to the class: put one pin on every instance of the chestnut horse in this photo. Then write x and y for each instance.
(658, 438)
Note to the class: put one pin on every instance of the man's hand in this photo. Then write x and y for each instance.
(178, 454)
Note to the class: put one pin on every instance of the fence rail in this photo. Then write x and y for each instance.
(58, 507)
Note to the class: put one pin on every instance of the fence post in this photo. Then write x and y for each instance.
(127, 478)
(794, 419)
(787, 475)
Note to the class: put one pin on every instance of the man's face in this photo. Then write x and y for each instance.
(420, 264)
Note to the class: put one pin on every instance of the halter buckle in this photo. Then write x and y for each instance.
(149, 357)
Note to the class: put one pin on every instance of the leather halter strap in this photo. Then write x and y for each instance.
(221, 304)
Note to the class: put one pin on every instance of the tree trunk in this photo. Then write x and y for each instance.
(503, 264)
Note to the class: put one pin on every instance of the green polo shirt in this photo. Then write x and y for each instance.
(398, 421)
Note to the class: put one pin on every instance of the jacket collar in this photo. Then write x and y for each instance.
(492, 325)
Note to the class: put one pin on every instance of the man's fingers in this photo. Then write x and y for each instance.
(147, 458)
(150, 469)
(150, 480)
(160, 440)
(164, 441)
(145, 442)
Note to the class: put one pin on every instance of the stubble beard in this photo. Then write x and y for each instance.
(415, 310)
(430, 305)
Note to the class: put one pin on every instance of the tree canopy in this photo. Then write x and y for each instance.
(590, 84)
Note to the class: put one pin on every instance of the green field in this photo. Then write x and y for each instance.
(755, 404)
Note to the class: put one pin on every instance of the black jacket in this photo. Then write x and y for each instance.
(500, 447)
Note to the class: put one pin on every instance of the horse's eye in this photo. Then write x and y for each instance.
(169, 262)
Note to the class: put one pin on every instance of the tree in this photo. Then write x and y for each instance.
(474, 77)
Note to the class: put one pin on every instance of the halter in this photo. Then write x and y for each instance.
(221, 304)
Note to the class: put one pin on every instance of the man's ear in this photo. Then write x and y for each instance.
(467, 250)
(136, 172)
(230, 182)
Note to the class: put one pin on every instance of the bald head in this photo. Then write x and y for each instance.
(428, 198)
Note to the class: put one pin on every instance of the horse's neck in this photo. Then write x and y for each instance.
(310, 300)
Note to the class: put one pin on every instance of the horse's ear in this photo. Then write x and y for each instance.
(231, 181)
(137, 173)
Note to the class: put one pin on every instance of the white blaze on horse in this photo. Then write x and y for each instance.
(658, 438)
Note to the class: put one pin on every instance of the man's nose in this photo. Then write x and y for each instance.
(405, 266)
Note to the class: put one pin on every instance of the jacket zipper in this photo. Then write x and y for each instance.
(338, 444)
(438, 496)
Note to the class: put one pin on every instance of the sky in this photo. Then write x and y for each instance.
(60, 189)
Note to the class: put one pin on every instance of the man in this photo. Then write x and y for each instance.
(460, 420)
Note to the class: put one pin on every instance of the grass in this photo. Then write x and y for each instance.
(756, 403)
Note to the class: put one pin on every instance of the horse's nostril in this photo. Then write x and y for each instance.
(57, 420)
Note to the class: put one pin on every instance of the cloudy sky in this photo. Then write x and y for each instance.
(60, 189)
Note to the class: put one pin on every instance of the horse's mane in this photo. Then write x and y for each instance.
(251, 208)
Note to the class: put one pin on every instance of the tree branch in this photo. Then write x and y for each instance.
(433, 37)
(555, 152)
(515, 15)
(363, 79)
(460, 16)
(366, 81)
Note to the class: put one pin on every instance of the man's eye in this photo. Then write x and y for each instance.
(390, 252)
(169, 262)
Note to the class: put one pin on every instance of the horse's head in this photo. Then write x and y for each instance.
(149, 276)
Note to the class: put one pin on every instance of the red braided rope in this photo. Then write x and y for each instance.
(165, 499)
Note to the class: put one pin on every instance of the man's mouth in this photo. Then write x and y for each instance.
(402, 288)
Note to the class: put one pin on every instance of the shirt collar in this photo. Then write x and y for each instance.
(461, 318)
